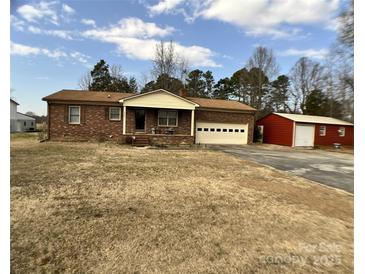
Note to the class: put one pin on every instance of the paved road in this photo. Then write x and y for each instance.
(330, 168)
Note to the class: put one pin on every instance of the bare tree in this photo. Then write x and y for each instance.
(341, 63)
(85, 81)
(182, 69)
(346, 31)
(263, 62)
(264, 59)
(305, 76)
(165, 60)
(116, 72)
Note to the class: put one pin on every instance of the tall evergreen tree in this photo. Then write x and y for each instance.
(223, 89)
(101, 78)
(105, 78)
(279, 94)
(316, 103)
(133, 86)
(209, 83)
(195, 83)
(241, 85)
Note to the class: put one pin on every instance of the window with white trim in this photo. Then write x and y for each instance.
(341, 132)
(74, 115)
(322, 130)
(167, 118)
(115, 113)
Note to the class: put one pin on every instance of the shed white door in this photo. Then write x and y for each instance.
(304, 135)
(221, 133)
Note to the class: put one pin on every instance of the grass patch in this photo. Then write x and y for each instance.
(104, 208)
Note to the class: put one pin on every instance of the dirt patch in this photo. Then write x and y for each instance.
(104, 208)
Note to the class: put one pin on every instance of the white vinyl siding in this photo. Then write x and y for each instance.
(167, 118)
(115, 113)
(74, 115)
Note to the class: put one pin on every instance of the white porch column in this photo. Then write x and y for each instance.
(124, 118)
(192, 122)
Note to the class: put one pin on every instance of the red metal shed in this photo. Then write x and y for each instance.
(305, 130)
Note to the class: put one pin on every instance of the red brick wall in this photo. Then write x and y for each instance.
(332, 135)
(228, 117)
(95, 124)
(277, 130)
(151, 116)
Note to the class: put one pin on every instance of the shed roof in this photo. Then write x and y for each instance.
(300, 118)
(115, 97)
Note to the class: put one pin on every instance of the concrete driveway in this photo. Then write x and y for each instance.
(334, 169)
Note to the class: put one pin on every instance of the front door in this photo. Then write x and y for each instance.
(140, 119)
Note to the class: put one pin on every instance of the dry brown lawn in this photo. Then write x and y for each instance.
(105, 208)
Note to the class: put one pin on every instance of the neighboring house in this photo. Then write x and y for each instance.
(20, 122)
(159, 116)
(13, 115)
(305, 130)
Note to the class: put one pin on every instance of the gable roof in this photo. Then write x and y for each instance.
(12, 100)
(87, 96)
(22, 116)
(157, 91)
(300, 118)
(115, 97)
(220, 104)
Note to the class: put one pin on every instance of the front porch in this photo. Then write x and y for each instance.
(159, 126)
(162, 118)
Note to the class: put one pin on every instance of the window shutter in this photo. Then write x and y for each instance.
(82, 114)
(66, 114)
(106, 113)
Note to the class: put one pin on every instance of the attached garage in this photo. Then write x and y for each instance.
(298, 130)
(223, 122)
(221, 133)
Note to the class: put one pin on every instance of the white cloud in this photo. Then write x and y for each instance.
(130, 27)
(277, 33)
(258, 17)
(88, 22)
(66, 8)
(64, 34)
(42, 10)
(136, 39)
(25, 50)
(311, 53)
(164, 6)
(80, 57)
(17, 23)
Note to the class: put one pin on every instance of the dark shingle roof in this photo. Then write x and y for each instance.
(87, 96)
(220, 104)
(114, 97)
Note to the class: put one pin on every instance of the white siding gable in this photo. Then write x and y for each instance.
(160, 99)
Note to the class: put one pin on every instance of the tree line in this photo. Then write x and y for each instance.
(310, 87)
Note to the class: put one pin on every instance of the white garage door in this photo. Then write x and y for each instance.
(221, 133)
(304, 135)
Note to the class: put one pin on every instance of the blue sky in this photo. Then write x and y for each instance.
(53, 43)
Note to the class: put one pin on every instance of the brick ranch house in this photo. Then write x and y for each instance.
(158, 117)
